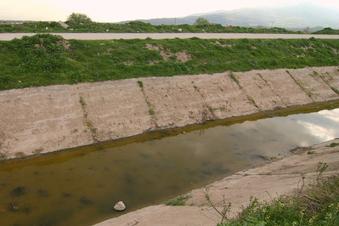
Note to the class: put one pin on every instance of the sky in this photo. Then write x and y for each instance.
(120, 10)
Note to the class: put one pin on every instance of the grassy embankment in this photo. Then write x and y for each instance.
(45, 60)
(317, 206)
(133, 27)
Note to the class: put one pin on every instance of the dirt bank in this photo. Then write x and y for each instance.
(267, 182)
(45, 119)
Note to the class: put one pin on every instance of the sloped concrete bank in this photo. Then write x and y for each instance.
(46, 119)
(267, 182)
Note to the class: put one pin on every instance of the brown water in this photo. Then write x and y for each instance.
(80, 188)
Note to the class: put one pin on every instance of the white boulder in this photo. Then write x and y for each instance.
(119, 206)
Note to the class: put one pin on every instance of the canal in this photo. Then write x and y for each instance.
(79, 187)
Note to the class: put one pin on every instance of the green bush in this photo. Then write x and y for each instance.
(78, 19)
(201, 22)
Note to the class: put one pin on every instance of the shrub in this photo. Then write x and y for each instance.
(78, 19)
(201, 22)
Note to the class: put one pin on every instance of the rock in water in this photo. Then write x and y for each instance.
(119, 206)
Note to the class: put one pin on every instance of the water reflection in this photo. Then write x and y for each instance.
(82, 190)
(324, 128)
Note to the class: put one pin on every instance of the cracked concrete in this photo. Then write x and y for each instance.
(46, 119)
(267, 182)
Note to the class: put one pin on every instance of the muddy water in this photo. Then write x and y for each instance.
(80, 188)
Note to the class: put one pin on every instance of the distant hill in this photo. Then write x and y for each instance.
(298, 16)
(328, 31)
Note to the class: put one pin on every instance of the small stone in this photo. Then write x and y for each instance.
(119, 206)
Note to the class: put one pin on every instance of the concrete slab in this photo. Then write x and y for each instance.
(115, 109)
(175, 101)
(256, 88)
(223, 96)
(285, 87)
(312, 84)
(330, 75)
(39, 120)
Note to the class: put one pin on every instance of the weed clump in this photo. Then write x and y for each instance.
(140, 84)
(178, 201)
(41, 53)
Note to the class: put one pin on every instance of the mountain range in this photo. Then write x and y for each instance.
(297, 16)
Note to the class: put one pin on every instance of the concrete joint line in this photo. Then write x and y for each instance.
(273, 91)
(206, 106)
(87, 122)
(150, 107)
(327, 83)
(249, 98)
(309, 94)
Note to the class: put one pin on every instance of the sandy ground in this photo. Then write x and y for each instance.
(46, 119)
(108, 36)
(266, 183)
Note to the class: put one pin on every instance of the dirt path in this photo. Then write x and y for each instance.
(108, 36)
(265, 183)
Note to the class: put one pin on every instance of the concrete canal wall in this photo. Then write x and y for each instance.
(45, 119)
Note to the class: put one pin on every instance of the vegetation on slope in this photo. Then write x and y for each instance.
(133, 27)
(45, 59)
(318, 206)
(328, 30)
(82, 23)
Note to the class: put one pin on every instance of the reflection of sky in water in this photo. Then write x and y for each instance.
(322, 125)
(332, 115)
(266, 136)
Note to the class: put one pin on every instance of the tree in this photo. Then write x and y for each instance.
(201, 22)
(76, 19)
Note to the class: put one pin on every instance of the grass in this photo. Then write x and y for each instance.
(46, 60)
(133, 27)
(178, 201)
(317, 206)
